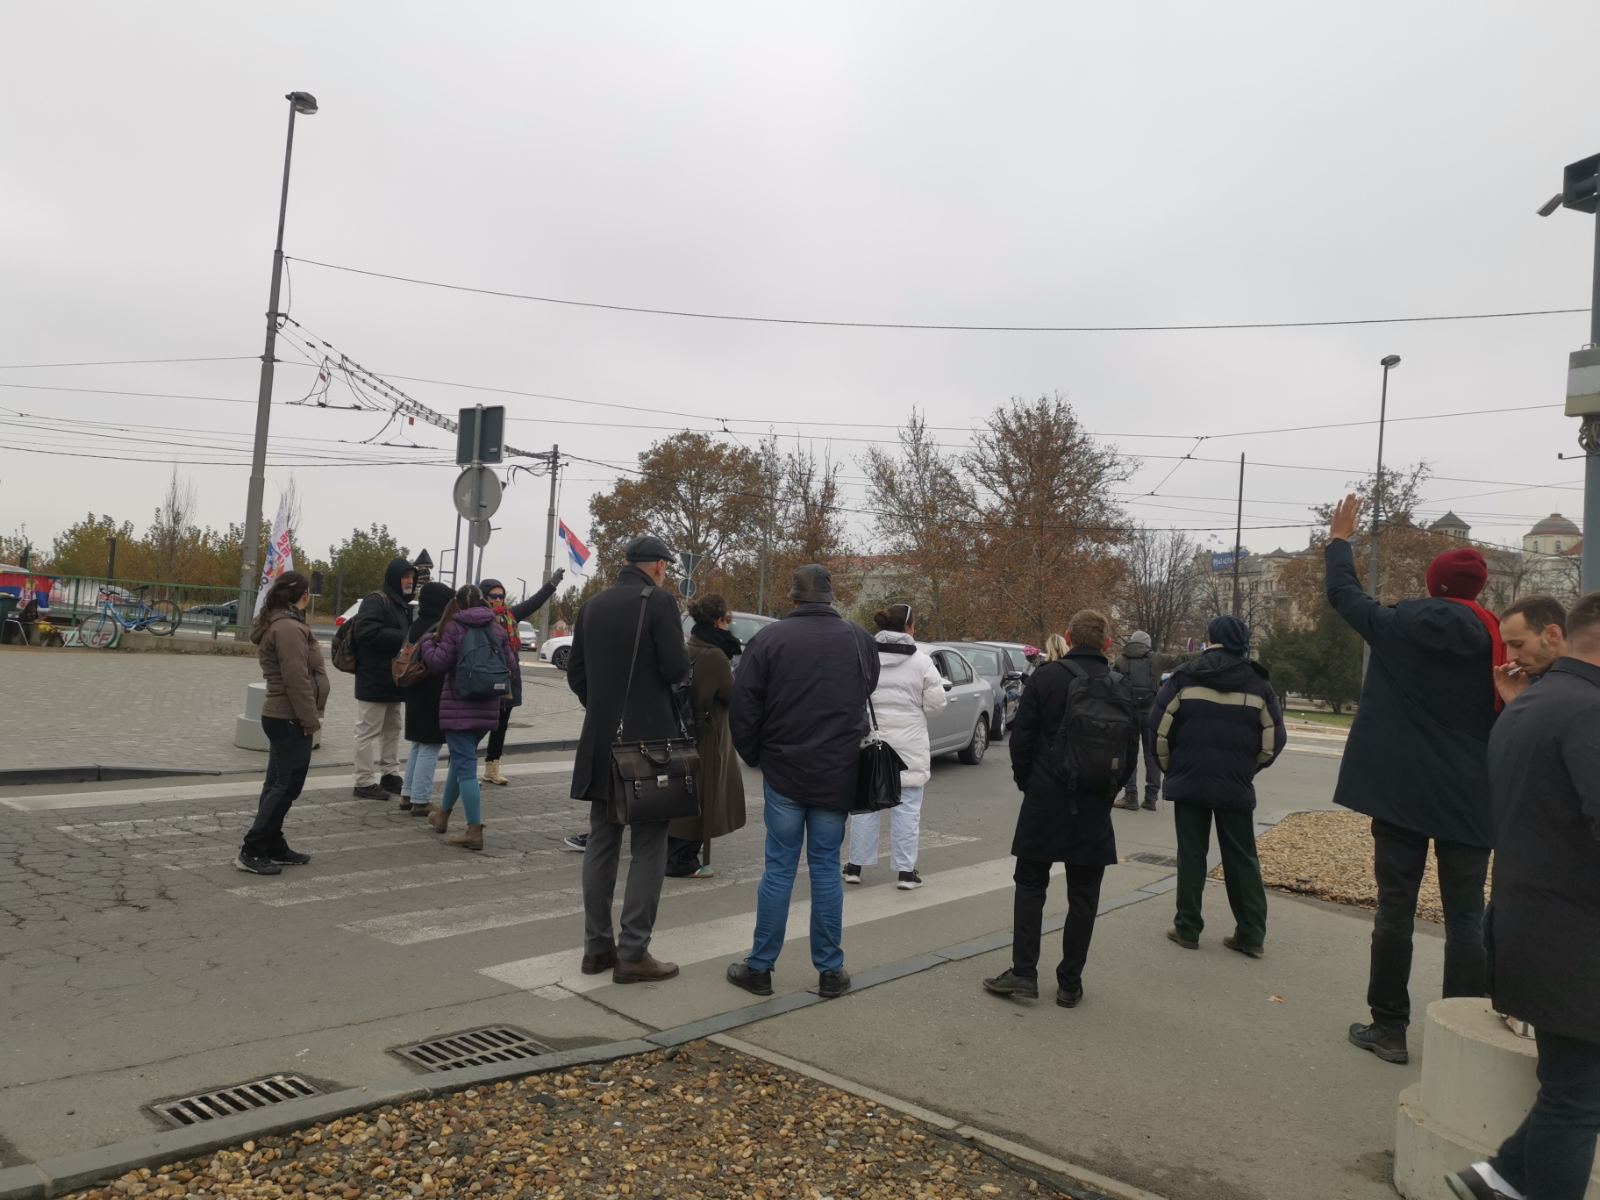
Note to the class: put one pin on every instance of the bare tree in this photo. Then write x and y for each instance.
(1160, 588)
(173, 523)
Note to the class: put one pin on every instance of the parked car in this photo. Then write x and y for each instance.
(745, 626)
(964, 727)
(225, 611)
(556, 651)
(992, 666)
(527, 635)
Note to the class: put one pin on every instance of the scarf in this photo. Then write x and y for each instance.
(720, 638)
(503, 615)
(1492, 623)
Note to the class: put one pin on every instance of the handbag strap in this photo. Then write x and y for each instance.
(638, 635)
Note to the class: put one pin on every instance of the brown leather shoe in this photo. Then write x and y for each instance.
(438, 818)
(470, 838)
(594, 964)
(644, 970)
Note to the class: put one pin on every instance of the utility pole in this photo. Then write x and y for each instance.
(550, 540)
(1375, 559)
(299, 102)
(1238, 536)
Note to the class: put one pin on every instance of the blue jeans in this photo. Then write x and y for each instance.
(416, 781)
(821, 831)
(461, 779)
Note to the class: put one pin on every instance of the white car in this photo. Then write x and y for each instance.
(556, 651)
(527, 635)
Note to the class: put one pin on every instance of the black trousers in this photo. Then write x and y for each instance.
(497, 738)
(288, 760)
(683, 856)
(1549, 1157)
(1083, 901)
(1399, 857)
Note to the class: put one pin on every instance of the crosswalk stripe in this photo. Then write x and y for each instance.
(284, 893)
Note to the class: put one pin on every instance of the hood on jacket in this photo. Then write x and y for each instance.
(432, 601)
(283, 614)
(894, 649)
(481, 615)
(391, 578)
(1137, 645)
(1223, 670)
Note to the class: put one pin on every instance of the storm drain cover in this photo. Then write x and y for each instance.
(230, 1101)
(474, 1048)
(1155, 860)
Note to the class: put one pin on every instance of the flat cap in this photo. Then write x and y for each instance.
(649, 548)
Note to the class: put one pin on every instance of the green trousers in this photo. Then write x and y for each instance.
(1241, 870)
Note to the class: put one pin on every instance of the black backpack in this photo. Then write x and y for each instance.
(481, 670)
(1089, 751)
(1141, 676)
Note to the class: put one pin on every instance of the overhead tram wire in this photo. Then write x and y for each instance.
(923, 325)
(128, 362)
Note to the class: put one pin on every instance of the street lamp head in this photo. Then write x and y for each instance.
(1389, 360)
(1550, 205)
(304, 102)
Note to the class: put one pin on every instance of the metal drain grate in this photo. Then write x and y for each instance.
(1154, 860)
(230, 1101)
(475, 1047)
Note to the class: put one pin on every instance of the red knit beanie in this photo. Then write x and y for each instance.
(1458, 574)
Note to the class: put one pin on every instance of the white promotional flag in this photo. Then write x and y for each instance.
(280, 557)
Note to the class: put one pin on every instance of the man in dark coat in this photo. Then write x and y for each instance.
(1416, 763)
(1138, 665)
(1215, 724)
(798, 715)
(379, 631)
(1057, 825)
(598, 672)
(1544, 924)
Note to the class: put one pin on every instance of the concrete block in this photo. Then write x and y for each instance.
(247, 731)
(23, 1183)
(255, 699)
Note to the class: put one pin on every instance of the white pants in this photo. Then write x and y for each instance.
(905, 829)
(378, 728)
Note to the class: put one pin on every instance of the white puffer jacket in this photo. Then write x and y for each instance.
(909, 689)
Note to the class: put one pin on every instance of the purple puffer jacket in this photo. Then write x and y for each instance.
(440, 656)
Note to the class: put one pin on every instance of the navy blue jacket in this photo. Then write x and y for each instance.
(1214, 724)
(799, 707)
(1417, 756)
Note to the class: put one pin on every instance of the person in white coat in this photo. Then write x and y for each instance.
(910, 688)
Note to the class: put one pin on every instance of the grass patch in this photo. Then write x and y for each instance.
(1318, 717)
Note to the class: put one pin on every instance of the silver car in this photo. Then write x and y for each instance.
(992, 665)
(963, 728)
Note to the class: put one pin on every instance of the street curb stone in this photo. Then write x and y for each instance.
(23, 1183)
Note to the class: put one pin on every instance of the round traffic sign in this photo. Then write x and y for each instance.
(488, 493)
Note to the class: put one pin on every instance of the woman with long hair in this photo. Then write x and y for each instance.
(466, 622)
(297, 695)
(910, 689)
(422, 709)
(1055, 648)
(712, 649)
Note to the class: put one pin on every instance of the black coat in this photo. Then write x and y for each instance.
(521, 612)
(422, 699)
(1048, 830)
(799, 707)
(1417, 753)
(1544, 924)
(1215, 723)
(380, 631)
(597, 673)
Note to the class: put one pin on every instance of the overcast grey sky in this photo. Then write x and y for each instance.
(1034, 164)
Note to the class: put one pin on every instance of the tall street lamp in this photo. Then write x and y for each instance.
(1389, 362)
(306, 103)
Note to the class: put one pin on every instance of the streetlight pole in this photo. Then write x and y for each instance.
(299, 102)
(550, 540)
(1375, 562)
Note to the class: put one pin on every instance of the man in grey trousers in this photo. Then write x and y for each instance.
(598, 671)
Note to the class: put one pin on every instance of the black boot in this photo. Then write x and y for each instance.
(1387, 1044)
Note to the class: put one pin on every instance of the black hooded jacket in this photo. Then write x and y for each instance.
(422, 699)
(1214, 724)
(380, 631)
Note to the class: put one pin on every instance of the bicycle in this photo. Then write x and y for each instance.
(160, 617)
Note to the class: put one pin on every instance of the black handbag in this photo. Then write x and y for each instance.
(655, 780)
(878, 778)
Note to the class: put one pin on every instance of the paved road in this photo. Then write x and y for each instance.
(80, 707)
(137, 964)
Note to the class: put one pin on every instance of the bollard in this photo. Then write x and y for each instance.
(247, 731)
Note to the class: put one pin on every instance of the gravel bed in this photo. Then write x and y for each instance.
(1329, 855)
(697, 1122)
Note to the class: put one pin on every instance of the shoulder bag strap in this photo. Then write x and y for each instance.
(638, 635)
(862, 659)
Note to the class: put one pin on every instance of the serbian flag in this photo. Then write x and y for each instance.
(577, 552)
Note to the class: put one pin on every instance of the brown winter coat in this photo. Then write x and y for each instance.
(291, 662)
(722, 786)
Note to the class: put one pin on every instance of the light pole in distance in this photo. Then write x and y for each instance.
(1389, 362)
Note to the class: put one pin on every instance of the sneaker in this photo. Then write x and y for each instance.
(1480, 1181)
(290, 858)
(392, 784)
(909, 881)
(256, 864)
(1009, 983)
(577, 842)
(1387, 1044)
(371, 791)
(852, 873)
(833, 984)
(1069, 998)
(757, 983)
(1187, 943)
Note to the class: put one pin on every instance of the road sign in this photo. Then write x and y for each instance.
(686, 587)
(480, 533)
(485, 444)
(483, 504)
